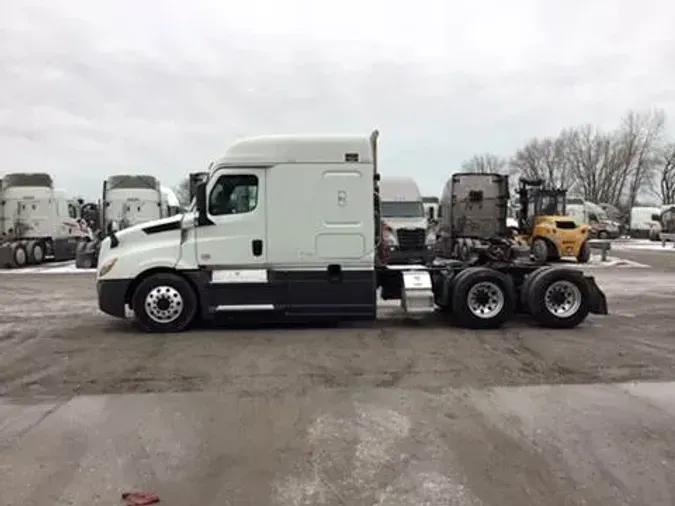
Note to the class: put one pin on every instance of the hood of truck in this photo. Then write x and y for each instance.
(150, 228)
(402, 223)
(145, 246)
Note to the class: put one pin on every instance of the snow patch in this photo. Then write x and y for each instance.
(51, 268)
(596, 261)
(643, 245)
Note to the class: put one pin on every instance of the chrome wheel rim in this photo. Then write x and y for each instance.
(163, 304)
(485, 300)
(562, 299)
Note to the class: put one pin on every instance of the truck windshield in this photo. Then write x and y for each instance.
(402, 209)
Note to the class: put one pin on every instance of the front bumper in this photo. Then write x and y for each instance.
(408, 257)
(112, 295)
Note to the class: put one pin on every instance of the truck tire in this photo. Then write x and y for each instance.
(559, 298)
(36, 252)
(482, 298)
(539, 250)
(584, 253)
(164, 302)
(525, 287)
(19, 255)
(29, 248)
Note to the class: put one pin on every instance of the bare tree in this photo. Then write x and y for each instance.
(666, 176)
(610, 167)
(544, 159)
(486, 163)
(591, 159)
(182, 191)
(638, 141)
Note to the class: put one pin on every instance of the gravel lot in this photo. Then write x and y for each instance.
(389, 413)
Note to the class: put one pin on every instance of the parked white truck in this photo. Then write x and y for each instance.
(37, 222)
(644, 222)
(246, 248)
(589, 213)
(404, 221)
(128, 200)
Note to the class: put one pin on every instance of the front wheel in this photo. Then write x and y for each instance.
(164, 303)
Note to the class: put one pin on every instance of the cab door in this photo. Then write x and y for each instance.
(232, 246)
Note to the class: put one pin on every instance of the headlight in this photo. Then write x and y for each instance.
(106, 267)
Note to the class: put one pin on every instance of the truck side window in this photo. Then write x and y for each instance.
(235, 194)
(72, 211)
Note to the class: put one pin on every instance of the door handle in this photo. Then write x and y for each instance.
(257, 247)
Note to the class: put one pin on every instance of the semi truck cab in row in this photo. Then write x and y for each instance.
(281, 223)
(37, 221)
(286, 226)
(404, 219)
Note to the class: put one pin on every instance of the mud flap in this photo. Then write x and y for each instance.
(598, 301)
(5, 256)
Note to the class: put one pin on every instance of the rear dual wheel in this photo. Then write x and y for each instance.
(482, 298)
(556, 298)
(19, 255)
(36, 252)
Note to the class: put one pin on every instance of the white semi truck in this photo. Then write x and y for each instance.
(246, 248)
(404, 221)
(128, 200)
(37, 222)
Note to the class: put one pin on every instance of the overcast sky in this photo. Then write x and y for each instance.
(90, 88)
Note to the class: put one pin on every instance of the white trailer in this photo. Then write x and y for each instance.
(247, 249)
(37, 222)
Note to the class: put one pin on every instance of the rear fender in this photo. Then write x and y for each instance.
(597, 299)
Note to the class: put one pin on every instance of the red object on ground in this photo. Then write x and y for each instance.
(139, 498)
